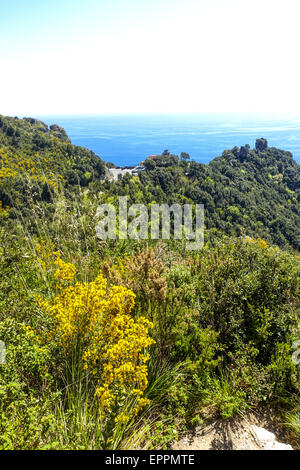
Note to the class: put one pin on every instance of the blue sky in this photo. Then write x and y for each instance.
(119, 56)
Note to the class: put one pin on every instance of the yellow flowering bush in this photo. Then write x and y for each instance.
(65, 271)
(36, 167)
(258, 241)
(113, 342)
(50, 259)
(118, 349)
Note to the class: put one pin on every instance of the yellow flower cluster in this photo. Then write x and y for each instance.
(258, 241)
(3, 209)
(77, 309)
(65, 271)
(113, 342)
(36, 167)
(7, 173)
(32, 334)
(119, 349)
(29, 330)
(50, 258)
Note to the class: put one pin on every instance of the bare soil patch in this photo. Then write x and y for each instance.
(232, 434)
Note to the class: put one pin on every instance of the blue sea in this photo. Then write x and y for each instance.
(129, 139)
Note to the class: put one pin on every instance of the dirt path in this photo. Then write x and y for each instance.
(234, 434)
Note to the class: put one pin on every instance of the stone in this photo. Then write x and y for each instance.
(281, 446)
(262, 436)
(261, 144)
(267, 439)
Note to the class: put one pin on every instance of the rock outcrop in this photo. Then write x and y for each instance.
(267, 440)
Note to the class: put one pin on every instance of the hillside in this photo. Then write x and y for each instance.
(46, 152)
(244, 191)
(125, 344)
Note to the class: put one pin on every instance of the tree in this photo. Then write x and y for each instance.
(184, 156)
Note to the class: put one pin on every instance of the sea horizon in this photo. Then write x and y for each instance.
(127, 139)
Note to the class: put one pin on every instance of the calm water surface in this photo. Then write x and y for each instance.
(128, 139)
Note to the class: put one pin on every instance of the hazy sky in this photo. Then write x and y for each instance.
(111, 56)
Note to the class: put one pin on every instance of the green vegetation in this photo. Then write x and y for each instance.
(125, 344)
(245, 192)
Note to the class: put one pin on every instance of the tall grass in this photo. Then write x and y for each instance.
(292, 421)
